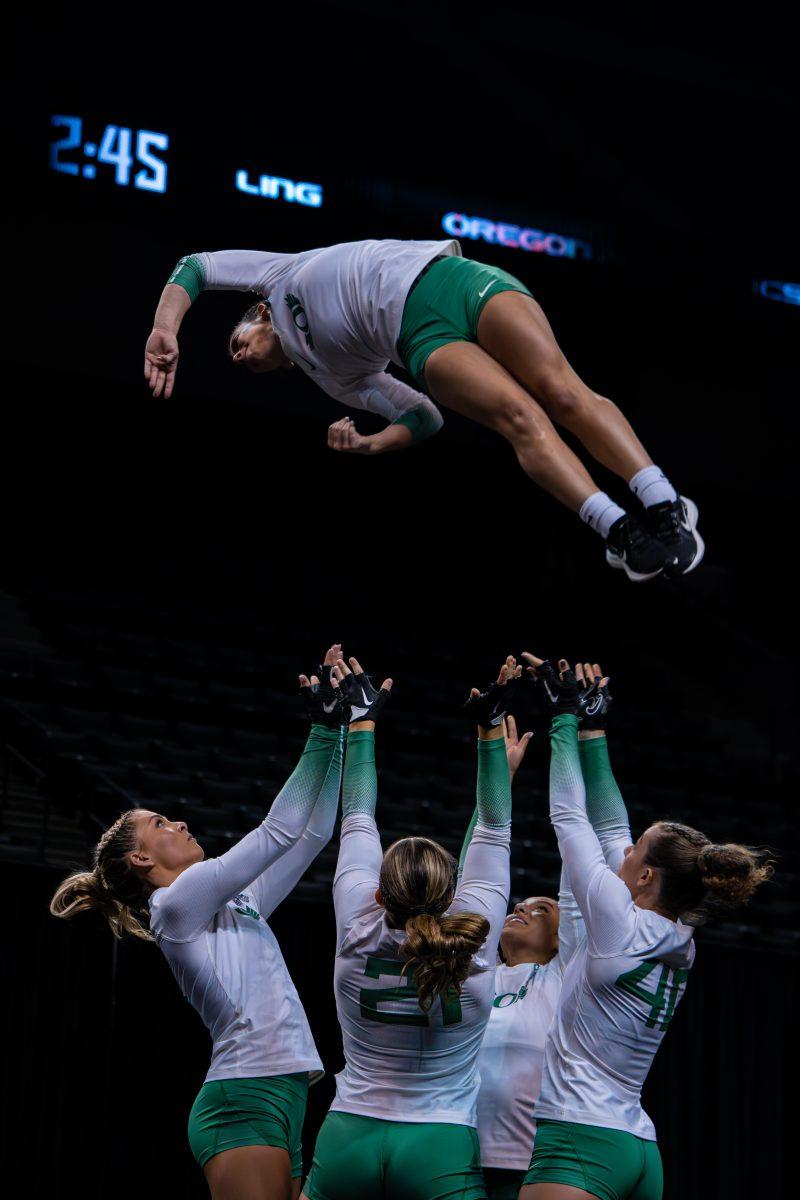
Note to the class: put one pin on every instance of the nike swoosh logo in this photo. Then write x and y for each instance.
(485, 290)
(329, 707)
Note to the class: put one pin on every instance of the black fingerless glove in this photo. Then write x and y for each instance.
(490, 707)
(362, 698)
(560, 695)
(595, 703)
(324, 702)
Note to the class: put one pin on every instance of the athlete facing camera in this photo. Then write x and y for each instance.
(471, 336)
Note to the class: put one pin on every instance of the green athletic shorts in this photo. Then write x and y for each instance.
(250, 1112)
(444, 307)
(608, 1163)
(502, 1184)
(364, 1158)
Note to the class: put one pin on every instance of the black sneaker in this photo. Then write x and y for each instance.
(632, 548)
(674, 524)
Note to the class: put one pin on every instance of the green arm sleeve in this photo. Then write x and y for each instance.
(421, 422)
(494, 783)
(605, 807)
(189, 275)
(360, 785)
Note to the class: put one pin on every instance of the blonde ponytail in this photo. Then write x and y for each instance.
(441, 950)
(112, 888)
(417, 883)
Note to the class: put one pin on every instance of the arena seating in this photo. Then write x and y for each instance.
(194, 712)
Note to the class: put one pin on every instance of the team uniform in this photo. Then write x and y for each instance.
(403, 1119)
(526, 998)
(620, 990)
(344, 312)
(211, 924)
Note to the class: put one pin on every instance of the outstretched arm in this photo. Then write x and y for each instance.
(189, 903)
(219, 270)
(605, 806)
(360, 854)
(411, 415)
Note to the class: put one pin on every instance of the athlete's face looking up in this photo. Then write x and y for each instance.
(530, 932)
(165, 847)
(255, 345)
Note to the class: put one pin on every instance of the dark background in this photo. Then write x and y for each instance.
(133, 526)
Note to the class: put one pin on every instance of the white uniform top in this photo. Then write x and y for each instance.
(402, 1064)
(510, 1061)
(621, 985)
(211, 925)
(337, 312)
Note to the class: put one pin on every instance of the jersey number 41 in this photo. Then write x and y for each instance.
(662, 1001)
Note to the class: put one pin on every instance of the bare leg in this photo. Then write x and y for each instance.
(464, 377)
(554, 1191)
(514, 330)
(251, 1173)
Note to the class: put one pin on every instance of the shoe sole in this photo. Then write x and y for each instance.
(619, 564)
(693, 513)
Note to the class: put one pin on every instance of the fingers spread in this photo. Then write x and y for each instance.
(356, 665)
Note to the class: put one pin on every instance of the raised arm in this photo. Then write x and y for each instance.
(485, 881)
(327, 713)
(411, 415)
(218, 270)
(605, 806)
(189, 903)
(602, 897)
(360, 855)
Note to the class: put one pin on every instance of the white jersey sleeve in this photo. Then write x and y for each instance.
(357, 872)
(187, 905)
(242, 270)
(387, 397)
(274, 885)
(603, 899)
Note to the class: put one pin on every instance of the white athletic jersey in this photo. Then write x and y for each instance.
(402, 1064)
(337, 312)
(510, 1061)
(622, 984)
(211, 924)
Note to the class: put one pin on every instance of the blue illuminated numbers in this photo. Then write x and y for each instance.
(778, 289)
(115, 150)
(72, 139)
(157, 182)
(121, 157)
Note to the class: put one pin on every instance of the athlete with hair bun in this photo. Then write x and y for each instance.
(471, 336)
(209, 917)
(414, 977)
(640, 904)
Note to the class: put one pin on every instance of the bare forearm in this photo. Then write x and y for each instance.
(172, 308)
(393, 437)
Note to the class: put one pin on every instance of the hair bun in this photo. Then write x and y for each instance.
(731, 872)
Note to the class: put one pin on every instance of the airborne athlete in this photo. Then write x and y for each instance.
(472, 338)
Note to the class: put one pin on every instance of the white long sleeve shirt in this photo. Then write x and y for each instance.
(211, 925)
(337, 312)
(622, 984)
(402, 1064)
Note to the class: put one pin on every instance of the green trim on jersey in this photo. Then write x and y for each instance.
(268, 1111)
(608, 1163)
(421, 422)
(189, 275)
(445, 306)
(363, 1158)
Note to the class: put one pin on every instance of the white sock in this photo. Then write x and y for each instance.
(651, 486)
(600, 511)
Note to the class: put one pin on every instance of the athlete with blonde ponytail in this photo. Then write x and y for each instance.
(414, 978)
(209, 917)
(640, 904)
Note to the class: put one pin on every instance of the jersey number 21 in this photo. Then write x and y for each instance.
(408, 993)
